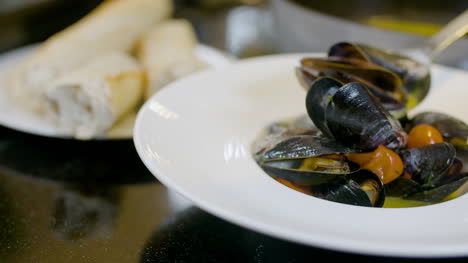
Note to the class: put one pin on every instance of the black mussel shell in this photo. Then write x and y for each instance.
(289, 170)
(374, 75)
(284, 158)
(306, 77)
(362, 188)
(402, 65)
(317, 100)
(442, 193)
(389, 102)
(462, 155)
(347, 50)
(415, 75)
(357, 119)
(302, 146)
(371, 185)
(453, 174)
(402, 187)
(428, 164)
(448, 126)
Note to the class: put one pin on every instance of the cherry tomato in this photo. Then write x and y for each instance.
(383, 162)
(422, 135)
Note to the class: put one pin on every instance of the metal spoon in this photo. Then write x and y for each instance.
(453, 31)
(413, 64)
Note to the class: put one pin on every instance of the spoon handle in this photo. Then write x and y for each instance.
(454, 30)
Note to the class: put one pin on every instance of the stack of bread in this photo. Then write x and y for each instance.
(95, 72)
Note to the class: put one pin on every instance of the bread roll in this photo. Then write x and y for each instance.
(167, 52)
(88, 101)
(113, 26)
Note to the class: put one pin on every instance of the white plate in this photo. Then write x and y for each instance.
(15, 117)
(196, 137)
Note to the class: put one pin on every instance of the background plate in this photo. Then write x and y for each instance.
(17, 118)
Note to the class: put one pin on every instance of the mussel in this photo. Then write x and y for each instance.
(314, 165)
(302, 159)
(362, 188)
(353, 70)
(301, 146)
(385, 85)
(408, 189)
(402, 187)
(352, 115)
(398, 81)
(415, 75)
(429, 164)
(442, 193)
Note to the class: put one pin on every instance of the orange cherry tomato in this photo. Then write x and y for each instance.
(422, 135)
(383, 162)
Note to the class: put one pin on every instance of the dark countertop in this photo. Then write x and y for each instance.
(73, 201)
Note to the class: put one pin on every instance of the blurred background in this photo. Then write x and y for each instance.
(246, 28)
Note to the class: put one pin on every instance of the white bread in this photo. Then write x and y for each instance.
(88, 101)
(167, 53)
(113, 26)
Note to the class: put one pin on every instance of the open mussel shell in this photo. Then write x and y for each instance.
(347, 50)
(442, 193)
(402, 65)
(384, 84)
(356, 118)
(306, 77)
(284, 159)
(388, 101)
(414, 74)
(450, 127)
(302, 146)
(402, 187)
(290, 170)
(412, 190)
(361, 188)
(429, 164)
(343, 68)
